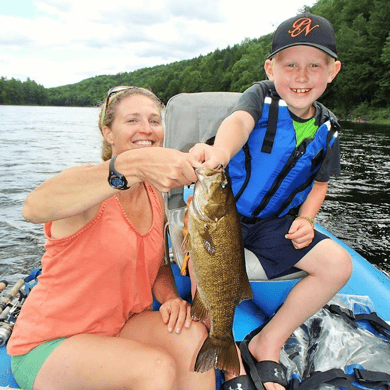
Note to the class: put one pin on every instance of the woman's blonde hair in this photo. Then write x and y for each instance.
(108, 112)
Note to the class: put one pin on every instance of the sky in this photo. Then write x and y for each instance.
(60, 42)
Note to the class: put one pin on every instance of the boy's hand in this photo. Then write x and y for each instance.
(206, 156)
(301, 233)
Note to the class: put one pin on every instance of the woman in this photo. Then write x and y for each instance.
(88, 324)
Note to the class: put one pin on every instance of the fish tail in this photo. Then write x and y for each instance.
(215, 354)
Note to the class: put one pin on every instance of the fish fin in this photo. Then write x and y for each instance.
(167, 259)
(186, 243)
(198, 308)
(184, 267)
(185, 246)
(247, 290)
(215, 354)
(185, 219)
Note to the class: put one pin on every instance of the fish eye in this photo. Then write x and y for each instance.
(223, 185)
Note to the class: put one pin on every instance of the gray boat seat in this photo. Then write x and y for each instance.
(191, 118)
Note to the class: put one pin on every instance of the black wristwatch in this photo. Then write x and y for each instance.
(115, 179)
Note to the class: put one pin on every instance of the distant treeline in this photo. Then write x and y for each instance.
(363, 41)
(22, 93)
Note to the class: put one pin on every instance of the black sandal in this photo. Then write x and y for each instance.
(261, 372)
(239, 383)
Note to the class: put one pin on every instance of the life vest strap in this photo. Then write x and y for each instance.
(269, 137)
(377, 380)
(336, 377)
(376, 322)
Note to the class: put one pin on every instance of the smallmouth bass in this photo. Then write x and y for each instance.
(215, 245)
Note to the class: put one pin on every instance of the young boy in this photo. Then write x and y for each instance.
(280, 148)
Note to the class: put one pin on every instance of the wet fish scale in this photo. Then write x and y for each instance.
(215, 244)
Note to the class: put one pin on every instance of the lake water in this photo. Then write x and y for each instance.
(38, 142)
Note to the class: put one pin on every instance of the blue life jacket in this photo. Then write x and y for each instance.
(271, 175)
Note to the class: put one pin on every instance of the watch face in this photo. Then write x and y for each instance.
(116, 182)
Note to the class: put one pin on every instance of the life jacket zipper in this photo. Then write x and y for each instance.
(291, 162)
(248, 167)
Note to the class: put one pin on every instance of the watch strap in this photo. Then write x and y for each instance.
(115, 176)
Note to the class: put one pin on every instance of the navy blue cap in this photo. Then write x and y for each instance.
(305, 29)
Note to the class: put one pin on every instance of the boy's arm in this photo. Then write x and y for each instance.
(301, 231)
(314, 200)
(231, 137)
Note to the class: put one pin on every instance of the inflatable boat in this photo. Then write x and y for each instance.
(192, 118)
(366, 281)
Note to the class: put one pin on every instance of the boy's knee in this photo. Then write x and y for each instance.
(333, 263)
(346, 265)
(342, 267)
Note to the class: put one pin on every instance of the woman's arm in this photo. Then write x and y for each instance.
(69, 193)
(77, 190)
(175, 312)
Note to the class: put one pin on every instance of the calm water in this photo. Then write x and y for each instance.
(37, 142)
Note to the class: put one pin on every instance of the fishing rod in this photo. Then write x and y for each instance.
(3, 285)
(10, 304)
(8, 297)
(9, 308)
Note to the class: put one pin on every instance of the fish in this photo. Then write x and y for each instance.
(215, 246)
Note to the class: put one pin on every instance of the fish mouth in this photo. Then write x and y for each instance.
(202, 173)
(199, 201)
(197, 207)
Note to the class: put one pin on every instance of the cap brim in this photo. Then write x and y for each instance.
(322, 48)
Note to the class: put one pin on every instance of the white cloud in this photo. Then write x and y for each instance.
(66, 41)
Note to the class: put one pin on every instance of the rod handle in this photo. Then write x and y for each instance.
(8, 297)
(3, 285)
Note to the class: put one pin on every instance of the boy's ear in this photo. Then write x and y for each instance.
(335, 69)
(269, 70)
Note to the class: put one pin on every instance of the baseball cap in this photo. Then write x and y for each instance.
(305, 29)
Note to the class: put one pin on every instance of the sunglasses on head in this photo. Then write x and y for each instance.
(111, 92)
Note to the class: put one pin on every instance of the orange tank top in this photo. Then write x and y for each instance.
(93, 280)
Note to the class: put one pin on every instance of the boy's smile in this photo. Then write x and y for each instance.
(301, 75)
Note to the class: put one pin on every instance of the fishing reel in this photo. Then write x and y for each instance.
(8, 318)
(11, 303)
(10, 306)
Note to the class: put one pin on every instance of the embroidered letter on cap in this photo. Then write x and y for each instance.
(302, 25)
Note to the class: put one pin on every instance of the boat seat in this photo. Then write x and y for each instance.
(255, 271)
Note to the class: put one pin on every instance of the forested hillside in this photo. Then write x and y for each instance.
(17, 92)
(363, 41)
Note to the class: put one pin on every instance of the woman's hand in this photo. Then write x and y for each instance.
(301, 233)
(176, 313)
(163, 168)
